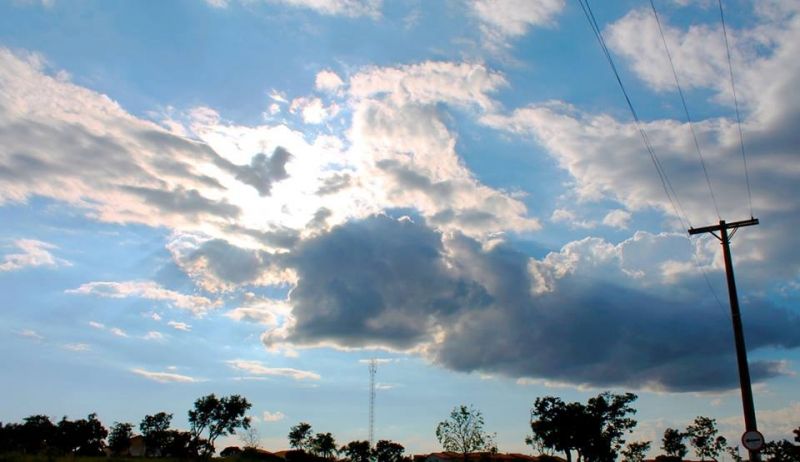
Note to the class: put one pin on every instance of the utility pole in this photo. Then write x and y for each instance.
(373, 368)
(751, 429)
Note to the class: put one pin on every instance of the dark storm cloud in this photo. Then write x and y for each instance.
(334, 183)
(376, 281)
(396, 284)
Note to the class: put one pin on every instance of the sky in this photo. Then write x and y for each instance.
(258, 196)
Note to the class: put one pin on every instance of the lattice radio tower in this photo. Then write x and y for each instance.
(373, 368)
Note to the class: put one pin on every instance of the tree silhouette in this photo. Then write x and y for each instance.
(219, 417)
(595, 430)
(636, 451)
(300, 436)
(703, 437)
(357, 451)
(324, 445)
(119, 439)
(672, 443)
(155, 430)
(463, 432)
(388, 451)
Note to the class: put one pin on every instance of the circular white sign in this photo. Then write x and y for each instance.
(753, 440)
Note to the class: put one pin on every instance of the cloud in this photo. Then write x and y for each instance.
(79, 347)
(97, 325)
(328, 81)
(634, 314)
(348, 8)
(218, 266)
(617, 219)
(180, 326)
(313, 110)
(148, 290)
(273, 416)
(33, 254)
(118, 332)
(31, 334)
(259, 369)
(154, 335)
(502, 20)
(260, 310)
(164, 377)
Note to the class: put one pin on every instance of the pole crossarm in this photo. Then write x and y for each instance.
(722, 225)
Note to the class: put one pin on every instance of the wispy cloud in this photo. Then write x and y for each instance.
(180, 326)
(148, 290)
(31, 334)
(77, 347)
(260, 369)
(32, 254)
(164, 377)
(153, 335)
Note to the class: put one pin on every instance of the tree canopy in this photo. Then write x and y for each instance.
(218, 417)
(463, 432)
(594, 431)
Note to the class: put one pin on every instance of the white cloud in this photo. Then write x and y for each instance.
(180, 326)
(118, 332)
(617, 219)
(277, 416)
(328, 81)
(259, 369)
(97, 325)
(502, 20)
(261, 310)
(164, 377)
(571, 219)
(77, 346)
(31, 334)
(313, 110)
(148, 290)
(33, 254)
(349, 8)
(154, 335)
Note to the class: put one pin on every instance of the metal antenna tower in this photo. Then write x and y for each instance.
(373, 369)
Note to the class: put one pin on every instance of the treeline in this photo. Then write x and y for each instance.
(210, 418)
(594, 431)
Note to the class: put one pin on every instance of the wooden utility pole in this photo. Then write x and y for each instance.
(736, 317)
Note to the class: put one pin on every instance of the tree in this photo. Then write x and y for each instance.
(733, 451)
(300, 436)
(179, 445)
(36, 434)
(636, 451)
(324, 445)
(463, 432)
(703, 437)
(119, 440)
(155, 430)
(672, 443)
(388, 451)
(219, 417)
(250, 438)
(781, 451)
(538, 446)
(796, 432)
(80, 437)
(595, 430)
(357, 451)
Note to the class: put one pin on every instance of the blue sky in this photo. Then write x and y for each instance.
(255, 197)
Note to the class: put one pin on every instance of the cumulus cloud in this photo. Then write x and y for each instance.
(32, 254)
(633, 314)
(260, 310)
(148, 290)
(258, 368)
(154, 335)
(313, 110)
(164, 377)
(617, 219)
(502, 20)
(328, 81)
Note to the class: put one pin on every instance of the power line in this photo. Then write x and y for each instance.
(686, 109)
(662, 174)
(736, 105)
